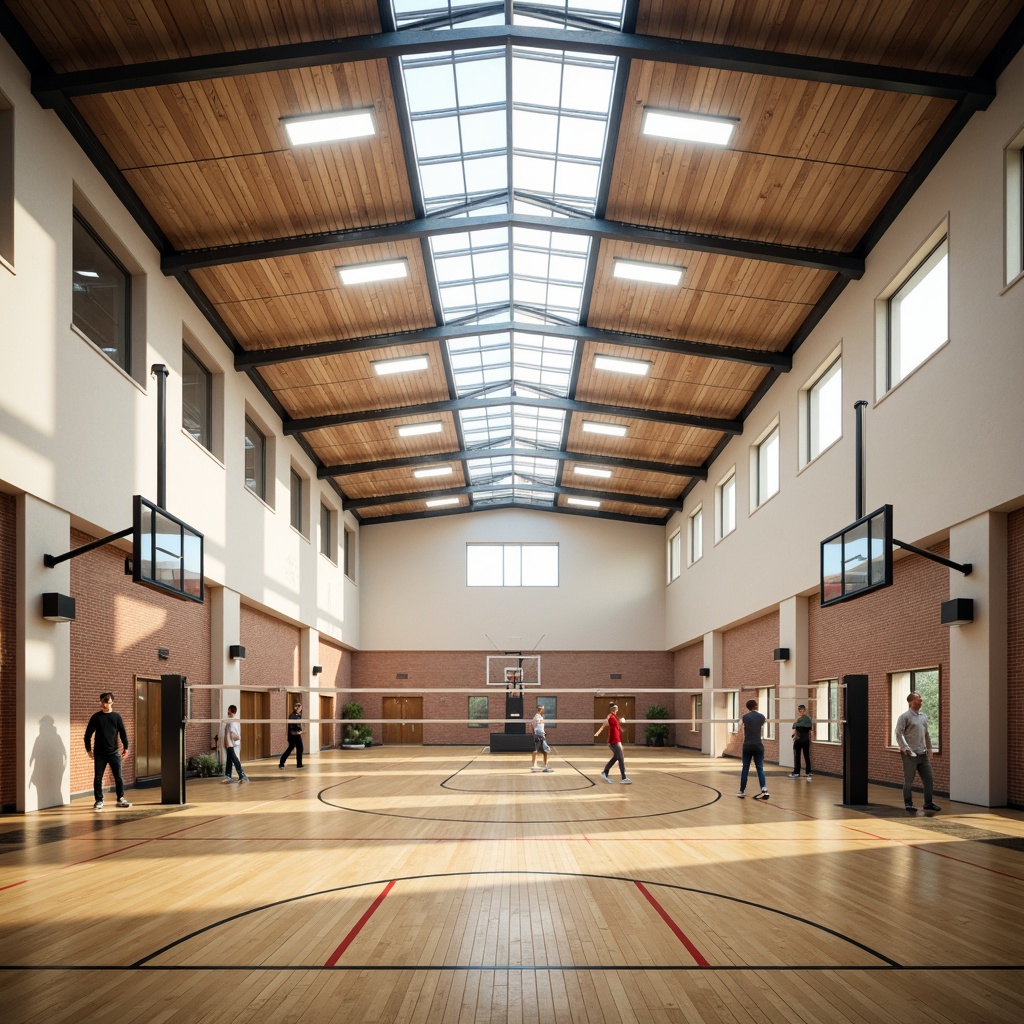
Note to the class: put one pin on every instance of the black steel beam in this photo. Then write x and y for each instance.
(301, 426)
(552, 454)
(48, 88)
(435, 224)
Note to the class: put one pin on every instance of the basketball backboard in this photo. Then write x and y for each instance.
(858, 558)
(513, 670)
(167, 554)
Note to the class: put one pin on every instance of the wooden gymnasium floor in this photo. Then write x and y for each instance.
(450, 884)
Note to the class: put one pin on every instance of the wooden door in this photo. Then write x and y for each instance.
(255, 704)
(397, 727)
(147, 728)
(627, 708)
(326, 725)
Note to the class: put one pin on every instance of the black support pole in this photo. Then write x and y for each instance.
(855, 741)
(859, 457)
(160, 372)
(172, 739)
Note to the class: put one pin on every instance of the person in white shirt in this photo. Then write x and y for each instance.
(232, 743)
(915, 745)
(540, 744)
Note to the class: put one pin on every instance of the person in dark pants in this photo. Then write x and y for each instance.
(294, 736)
(105, 728)
(232, 743)
(915, 743)
(614, 727)
(753, 749)
(802, 742)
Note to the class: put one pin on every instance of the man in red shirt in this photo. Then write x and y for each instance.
(614, 727)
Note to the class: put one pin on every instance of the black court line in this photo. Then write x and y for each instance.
(322, 797)
(143, 962)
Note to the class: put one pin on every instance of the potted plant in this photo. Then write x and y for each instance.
(658, 732)
(355, 736)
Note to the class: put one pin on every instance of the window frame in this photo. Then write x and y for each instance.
(349, 552)
(205, 440)
(696, 712)
(473, 718)
(812, 446)
(506, 558)
(550, 711)
(826, 727)
(297, 502)
(766, 705)
(769, 441)
(328, 532)
(695, 536)
(904, 682)
(674, 555)
(259, 482)
(1013, 163)
(6, 182)
(721, 494)
(732, 710)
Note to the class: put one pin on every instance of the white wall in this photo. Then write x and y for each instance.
(610, 596)
(942, 447)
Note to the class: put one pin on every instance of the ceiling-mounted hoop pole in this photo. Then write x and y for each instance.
(51, 560)
(965, 567)
(858, 483)
(159, 370)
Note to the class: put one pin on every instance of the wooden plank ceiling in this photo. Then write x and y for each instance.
(840, 111)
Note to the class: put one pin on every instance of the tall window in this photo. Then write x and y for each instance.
(695, 536)
(350, 553)
(6, 181)
(196, 399)
(477, 713)
(1014, 167)
(675, 544)
(824, 410)
(696, 711)
(918, 314)
(255, 459)
(511, 565)
(327, 531)
(765, 467)
(732, 704)
(297, 505)
(550, 711)
(725, 500)
(766, 705)
(826, 711)
(101, 295)
(925, 682)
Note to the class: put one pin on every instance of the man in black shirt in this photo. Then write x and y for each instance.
(101, 736)
(294, 736)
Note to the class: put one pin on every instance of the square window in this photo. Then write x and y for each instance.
(196, 399)
(101, 295)
(725, 506)
(695, 535)
(764, 468)
(674, 556)
(255, 459)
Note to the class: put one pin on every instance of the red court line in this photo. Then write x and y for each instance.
(690, 947)
(347, 941)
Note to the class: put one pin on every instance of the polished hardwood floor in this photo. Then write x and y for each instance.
(429, 884)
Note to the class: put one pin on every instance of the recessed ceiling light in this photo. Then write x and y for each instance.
(433, 471)
(651, 273)
(667, 124)
(583, 502)
(414, 429)
(637, 367)
(610, 429)
(407, 364)
(438, 502)
(366, 273)
(605, 474)
(334, 127)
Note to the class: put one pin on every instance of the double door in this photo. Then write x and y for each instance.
(397, 725)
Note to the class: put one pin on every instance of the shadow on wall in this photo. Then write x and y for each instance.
(48, 763)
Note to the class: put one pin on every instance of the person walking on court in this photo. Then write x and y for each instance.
(614, 727)
(294, 736)
(105, 728)
(540, 743)
(915, 745)
(753, 748)
(802, 742)
(232, 743)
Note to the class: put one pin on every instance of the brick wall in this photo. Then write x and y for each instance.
(118, 627)
(271, 661)
(560, 671)
(8, 651)
(892, 630)
(747, 665)
(1015, 659)
(686, 665)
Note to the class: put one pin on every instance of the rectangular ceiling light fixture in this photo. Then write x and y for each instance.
(415, 429)
(649, 273)
(604, 474)
(583, 502)
(608, 429)
(407, 364)
(367, 273)
(637, 367)
(440, 502)
(669, 124)
(334, 127)
(433, 471)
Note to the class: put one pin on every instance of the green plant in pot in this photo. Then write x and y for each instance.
(355, 735)
(657, 732)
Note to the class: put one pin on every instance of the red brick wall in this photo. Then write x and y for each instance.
(1015, 658)
(747, 664)
(687, 664)
(117, 629)
(560, 671)
(271, 661)
(892, 630)
(337, 674)
(8, 651)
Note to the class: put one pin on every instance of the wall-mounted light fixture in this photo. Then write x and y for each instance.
(705, 672)
(781, 654)
(163, 653)
(236, 652)
(958, 612)
(58, 608)
(317, 669)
